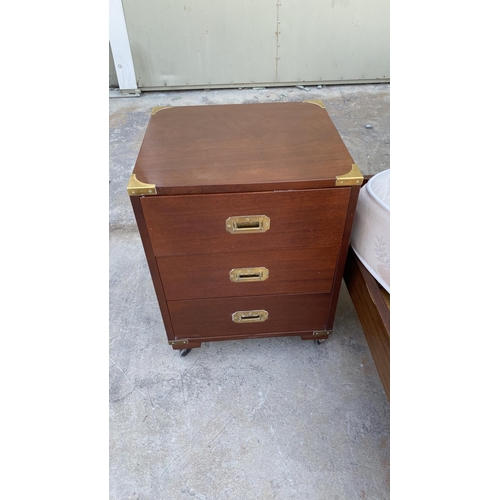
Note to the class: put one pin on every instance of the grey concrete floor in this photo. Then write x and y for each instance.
(275, 418)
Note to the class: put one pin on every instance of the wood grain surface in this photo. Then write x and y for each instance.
(373, 313)
(207, 276)
(153, 268)
(227, 148)
(209, 163)
(344, 248)
(196, 224)
(194, 319)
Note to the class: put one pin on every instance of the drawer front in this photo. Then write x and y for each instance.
(214, 317)
(198, 224)
(254, 273)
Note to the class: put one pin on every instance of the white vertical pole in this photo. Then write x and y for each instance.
(120, 47)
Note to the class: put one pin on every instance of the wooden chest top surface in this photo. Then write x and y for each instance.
(241, 147)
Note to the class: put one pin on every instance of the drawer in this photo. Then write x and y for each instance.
(214, 317)
(288, 271)
(196, 224)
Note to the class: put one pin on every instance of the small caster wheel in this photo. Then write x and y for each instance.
(185, 352)
(319, 341)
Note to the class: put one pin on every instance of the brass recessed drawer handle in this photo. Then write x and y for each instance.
(248, 224)
(248, 274)
(250, 316)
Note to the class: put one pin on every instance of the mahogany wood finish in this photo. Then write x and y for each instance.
(343, 253)
(235, 148)
(209, 163)
(189, 345)
(196, 224)
(306, 335)
(373, 312)
(207, 276)
(153, 268)
(213, 317)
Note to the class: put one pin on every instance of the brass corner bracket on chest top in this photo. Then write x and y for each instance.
(159, 108)
(352, 178)
(318, 102)
(137, 188)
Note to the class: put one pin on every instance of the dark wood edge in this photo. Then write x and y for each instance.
(152, 264)
(314, 337)
(375, 292)
(373, 315)
(341, 259)
(245, 188)
(307, 335)
(366, 179)
(189, 345)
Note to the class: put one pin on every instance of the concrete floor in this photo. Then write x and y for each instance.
(265, 419)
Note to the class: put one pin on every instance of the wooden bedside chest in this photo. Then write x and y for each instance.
(245, 214)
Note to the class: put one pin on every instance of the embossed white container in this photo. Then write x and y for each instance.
(370, 238)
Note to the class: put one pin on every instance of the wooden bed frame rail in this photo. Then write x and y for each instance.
(372, 304)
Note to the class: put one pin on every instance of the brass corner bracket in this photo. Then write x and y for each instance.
(178, 342)
(322, 333)
(137, 188)
(352, 178)
(318, 102)
(159, 108)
